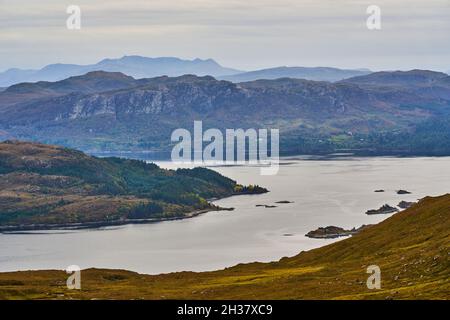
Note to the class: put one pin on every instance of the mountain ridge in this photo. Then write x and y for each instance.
(135, 66)
(148, 67)
(45, 186)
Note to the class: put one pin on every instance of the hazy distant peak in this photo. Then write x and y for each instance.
(131, 65)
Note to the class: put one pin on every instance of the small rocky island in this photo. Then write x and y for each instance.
(403, 192)
(385, 209)
(332, 232)
(51, 187)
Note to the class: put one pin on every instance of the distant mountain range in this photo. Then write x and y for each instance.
(380, 113)
(135, 66)
(317, 74)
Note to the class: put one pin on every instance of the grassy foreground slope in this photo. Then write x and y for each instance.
(412, 249)
(385, 113)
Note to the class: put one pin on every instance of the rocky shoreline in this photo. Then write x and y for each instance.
(101, 224)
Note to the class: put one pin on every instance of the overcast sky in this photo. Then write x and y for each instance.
(244, 34)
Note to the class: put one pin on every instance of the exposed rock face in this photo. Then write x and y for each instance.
(385, 209)
(331, 232)
(98, 93)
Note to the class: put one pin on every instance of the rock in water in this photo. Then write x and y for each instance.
(331, 232)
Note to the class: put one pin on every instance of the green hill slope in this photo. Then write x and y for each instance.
(412, 249)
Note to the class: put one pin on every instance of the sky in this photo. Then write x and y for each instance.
(243, 34)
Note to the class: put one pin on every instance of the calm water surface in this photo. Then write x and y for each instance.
(333, 192)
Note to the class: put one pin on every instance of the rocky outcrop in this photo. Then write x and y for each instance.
(385, 209)
(43, 186)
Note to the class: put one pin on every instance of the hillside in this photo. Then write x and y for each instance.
(44, 186)
(412, 249)
(103, 111)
